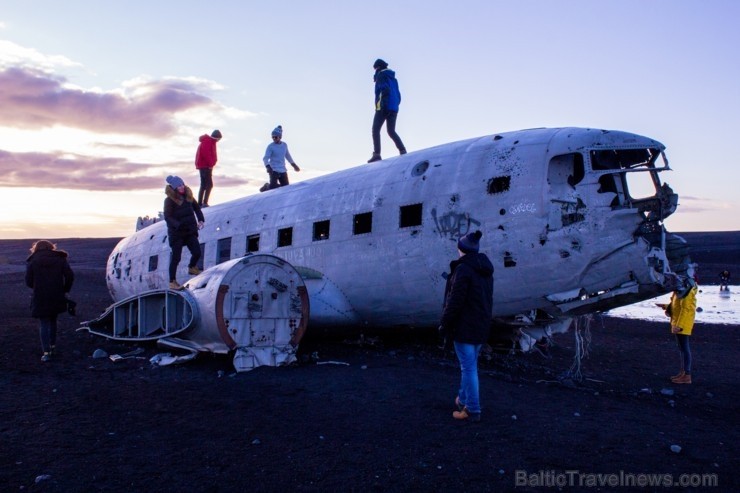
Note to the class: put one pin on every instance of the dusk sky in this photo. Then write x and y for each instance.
(100, 101)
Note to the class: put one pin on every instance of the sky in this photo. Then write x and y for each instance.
(100, 101)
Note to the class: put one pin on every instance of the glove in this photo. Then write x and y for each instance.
(295, 166)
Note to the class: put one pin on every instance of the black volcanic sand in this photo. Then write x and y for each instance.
(382, 423)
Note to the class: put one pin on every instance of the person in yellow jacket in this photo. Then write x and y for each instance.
(682, 310)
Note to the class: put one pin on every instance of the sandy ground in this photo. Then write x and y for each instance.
(382, 422)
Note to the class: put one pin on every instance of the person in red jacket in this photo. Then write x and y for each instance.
(205, 160)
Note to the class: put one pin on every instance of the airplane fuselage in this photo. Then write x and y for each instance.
(560, 222)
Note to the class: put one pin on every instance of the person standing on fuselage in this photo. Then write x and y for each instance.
(387, 102)
(275, 155)
(205, 160)
(184, 218)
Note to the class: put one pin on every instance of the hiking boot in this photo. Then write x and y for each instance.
(175, 285)
(194, 271)
(685, 378)
(374, 157)
(465, 414)
(680, 374)
(46, 357)
(460, 406)
(402, 151)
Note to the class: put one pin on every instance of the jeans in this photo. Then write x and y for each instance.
(683, 345)
(278, 179)
(48, 332)
(389, 118)
(206, 185)
(469, 396)
(176, 243)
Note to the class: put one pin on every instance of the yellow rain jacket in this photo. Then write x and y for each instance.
(683, 311)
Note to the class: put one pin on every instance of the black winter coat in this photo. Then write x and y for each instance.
(180, 213)
(49, 275)
(468, 307)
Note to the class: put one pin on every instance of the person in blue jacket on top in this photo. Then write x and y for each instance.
(387, 102)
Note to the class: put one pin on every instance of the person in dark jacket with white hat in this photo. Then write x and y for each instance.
(184, 218)
(467, 318)
(49, 275)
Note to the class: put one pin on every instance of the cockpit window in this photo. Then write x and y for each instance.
(614, 159)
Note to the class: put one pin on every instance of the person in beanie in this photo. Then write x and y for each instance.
(682, 310)
(49, 275)
(205, 159)
(275, 155)
(184, 218)
(387, 101)
(467, 317)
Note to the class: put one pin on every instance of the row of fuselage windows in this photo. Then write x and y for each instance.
(410, 215)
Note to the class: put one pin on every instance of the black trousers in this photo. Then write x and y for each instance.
(176, 243)
(389, 118)
(206, 185)
(278, 179)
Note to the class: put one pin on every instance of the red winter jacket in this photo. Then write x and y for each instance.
(206, 156)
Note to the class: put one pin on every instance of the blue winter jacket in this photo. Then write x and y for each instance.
(387, 94)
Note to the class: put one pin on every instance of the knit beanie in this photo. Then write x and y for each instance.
(175, 181)
(278, 132)
(380, 64)
(470, 243)
(216, 134)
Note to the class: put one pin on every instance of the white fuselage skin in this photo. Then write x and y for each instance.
(506, 185)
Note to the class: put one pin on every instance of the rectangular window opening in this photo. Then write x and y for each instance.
(253, 243)
(499, 184)
(153, 262)
(410, 216)
(321, 230)
(285, 237)
(363, 223)
(224, 250)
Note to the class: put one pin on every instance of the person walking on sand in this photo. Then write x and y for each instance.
(49, 275)
(387, 102)
(274, 159)
(205, 159)
(184, 218)
(682, 310)
(724, 279)
(467, 317)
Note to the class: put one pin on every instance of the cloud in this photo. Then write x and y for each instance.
(33, 99)
(14, 55)
(69, 171)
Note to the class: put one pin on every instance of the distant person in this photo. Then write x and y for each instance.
(275, 156)
(724, 279)
(49, 275)
(387, 102)
(682, 310)
(467, 318)
(205, 160)
(184, 218)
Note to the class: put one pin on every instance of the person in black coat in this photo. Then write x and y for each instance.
(184, 218)
(49, 275)
(466, 318)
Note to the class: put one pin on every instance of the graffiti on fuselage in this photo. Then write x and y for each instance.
(453, 225)
(521, 208)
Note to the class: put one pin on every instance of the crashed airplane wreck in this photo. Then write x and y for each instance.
(572, 219)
